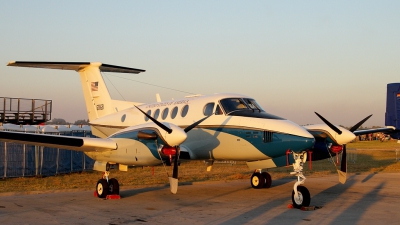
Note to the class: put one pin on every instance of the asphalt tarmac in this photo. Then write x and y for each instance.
(364, 199)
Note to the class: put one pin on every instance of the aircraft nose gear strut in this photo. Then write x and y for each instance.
(300, 194)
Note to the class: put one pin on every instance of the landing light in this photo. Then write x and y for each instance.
(167, 150)
(336, 148)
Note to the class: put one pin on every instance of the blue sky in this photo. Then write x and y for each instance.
(293, 57)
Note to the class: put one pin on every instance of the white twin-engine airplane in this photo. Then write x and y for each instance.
(213, 127)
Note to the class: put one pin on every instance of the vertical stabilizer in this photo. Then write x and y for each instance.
(392, 115)
(97, 98)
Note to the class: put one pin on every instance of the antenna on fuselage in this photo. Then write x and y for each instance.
(158, 98)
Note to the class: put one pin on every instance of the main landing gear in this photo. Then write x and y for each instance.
(105, 186)
(260, 179)
(300, 194)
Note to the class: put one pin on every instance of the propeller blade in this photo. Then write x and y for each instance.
(174, 185)
(343, 168)
(162, 126)
(173, 181)
(187, 129)
(355, 127)
(333, 127)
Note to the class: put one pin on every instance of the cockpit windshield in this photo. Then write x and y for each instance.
(253, 104)
(235, 104)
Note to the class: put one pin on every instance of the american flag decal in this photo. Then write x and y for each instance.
(95, 86)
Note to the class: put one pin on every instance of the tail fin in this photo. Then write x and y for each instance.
(97, 98)
(392, 115)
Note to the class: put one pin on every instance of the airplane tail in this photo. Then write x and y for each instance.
(97, 98)
(392, 115)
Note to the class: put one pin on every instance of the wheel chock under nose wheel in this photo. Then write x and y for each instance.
(113, 197)
(108, 196)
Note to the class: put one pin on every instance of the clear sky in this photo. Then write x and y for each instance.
(293, 57)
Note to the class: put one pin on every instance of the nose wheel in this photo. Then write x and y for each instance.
(303, 197)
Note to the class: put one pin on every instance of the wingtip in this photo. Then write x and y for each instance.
(10, 63)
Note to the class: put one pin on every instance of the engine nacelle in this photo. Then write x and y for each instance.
(322, 150)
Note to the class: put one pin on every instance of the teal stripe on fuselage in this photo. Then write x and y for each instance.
(277, 147)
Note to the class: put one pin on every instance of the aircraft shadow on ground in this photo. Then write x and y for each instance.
(320, 199)
(132, 192)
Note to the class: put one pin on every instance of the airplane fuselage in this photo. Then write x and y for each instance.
(245, 133)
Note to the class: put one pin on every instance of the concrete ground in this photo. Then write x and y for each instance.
(364, 199)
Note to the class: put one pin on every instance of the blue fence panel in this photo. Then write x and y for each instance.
(15, 160)
(49, 161)
(18, 160)
(30, 165)
(2, 158)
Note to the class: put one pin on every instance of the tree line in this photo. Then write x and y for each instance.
(60, 121)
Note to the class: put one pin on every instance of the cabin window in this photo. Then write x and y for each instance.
(174, 112)
(156, 113)
(165, 113)
(185, 110)
(208, 109)
(148, 113)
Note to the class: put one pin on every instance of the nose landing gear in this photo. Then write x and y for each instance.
(300, 194)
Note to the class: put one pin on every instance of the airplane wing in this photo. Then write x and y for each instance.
(83, 144)
(387, 129)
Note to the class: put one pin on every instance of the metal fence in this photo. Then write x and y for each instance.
(22, 160)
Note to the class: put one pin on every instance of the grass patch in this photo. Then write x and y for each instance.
(363, 157)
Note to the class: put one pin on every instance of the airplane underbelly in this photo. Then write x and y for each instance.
(129, 152)
(212, 144)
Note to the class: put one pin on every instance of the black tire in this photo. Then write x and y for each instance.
(113, 186)
(304, 195)
(257, 181)
(102, 188)
(268, 180)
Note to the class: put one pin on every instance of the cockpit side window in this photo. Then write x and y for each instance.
(233, 104)
(218, 110)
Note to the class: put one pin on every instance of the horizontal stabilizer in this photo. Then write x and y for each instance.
(75, 66)
(83, 144)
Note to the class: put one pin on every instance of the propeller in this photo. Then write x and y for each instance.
(174, 179)
(343, 166)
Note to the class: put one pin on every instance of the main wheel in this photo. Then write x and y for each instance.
(113, 186)
(102, 188)
(304, 198)
(268, 180)
(257, 180)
